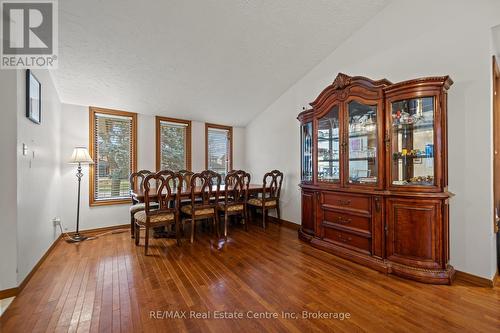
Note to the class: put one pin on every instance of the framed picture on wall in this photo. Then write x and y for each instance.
(33, 98)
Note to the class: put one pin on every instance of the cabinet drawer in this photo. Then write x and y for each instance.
(347, 220)
(347, 239)
(358, 202)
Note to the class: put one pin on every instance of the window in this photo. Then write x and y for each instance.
(219, 148)
(113, 148)
(173, 144)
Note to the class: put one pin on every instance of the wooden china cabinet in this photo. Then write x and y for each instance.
(374, 175)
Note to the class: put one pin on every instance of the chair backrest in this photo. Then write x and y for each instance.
(137, 180)
(166, 173)
(207, 184)
(162, 187)
(236, 187)
(242, 173)
(271, 187)
(186, 177)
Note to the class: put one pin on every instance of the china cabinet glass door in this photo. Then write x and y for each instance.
(306, 151)
(362, 143)
(413, 142)
(328, 147)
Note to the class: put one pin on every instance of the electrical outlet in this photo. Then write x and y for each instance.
(56, 221)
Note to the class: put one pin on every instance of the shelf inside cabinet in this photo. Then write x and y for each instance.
(351, 135)
(412, 127)
(410, 157)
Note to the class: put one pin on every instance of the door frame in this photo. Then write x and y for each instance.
(496, 139)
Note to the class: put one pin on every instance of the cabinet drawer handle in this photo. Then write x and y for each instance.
(343, 220)
(343, 239)
(344, 202)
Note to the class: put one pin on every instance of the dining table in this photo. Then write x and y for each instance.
(138, 196)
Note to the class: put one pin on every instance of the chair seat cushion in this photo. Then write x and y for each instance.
(141, 206)
(258, 202)
(231, 207)
(141, 217)
(188, 209)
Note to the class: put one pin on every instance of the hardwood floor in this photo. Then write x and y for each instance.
(108, 285)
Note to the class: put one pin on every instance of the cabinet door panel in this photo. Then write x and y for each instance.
(414, 235)
(362, 145)
(415, 148)
(308, 208)
(328, 150)
(306, 161)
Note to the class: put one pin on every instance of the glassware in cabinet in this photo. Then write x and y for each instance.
(329, 147)
(362, 133)
(412, 155)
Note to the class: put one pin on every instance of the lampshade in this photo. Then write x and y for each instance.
(81, 155)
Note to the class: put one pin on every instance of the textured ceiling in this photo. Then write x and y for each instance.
(221, 61)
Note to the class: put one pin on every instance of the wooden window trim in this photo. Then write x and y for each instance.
(230, 129)
(92, 112)
(187, 144)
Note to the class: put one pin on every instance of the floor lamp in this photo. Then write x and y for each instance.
(80, 156)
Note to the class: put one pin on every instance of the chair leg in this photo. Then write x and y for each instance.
(245, 218)
(137, 231)
(132, 225)
(278, 213)
(177, 232)
(264, 218)
(217, 222)
(146, 242)
(192, 229)
(225, 225)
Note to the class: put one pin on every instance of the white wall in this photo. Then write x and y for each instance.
(406, 40)
(75, 131)
(30, 184)
(38, 174)
(8, 174)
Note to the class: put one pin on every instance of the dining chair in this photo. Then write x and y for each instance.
(186, 177)
(205, 188)
(270, 198)
(166, 185)
(213, 176)
(235, 198)
(136, 182)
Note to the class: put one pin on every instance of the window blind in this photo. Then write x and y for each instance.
(113, 156)
(173, 146)
(218, 150)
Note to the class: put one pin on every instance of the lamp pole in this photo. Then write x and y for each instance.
(77, 237)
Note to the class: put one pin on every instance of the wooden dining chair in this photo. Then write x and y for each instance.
(166, 185)
(186, 177)
(204, 186)
(136, 182)
(235, 198)
(270, 199)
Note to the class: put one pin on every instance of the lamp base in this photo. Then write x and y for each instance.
(76, 238)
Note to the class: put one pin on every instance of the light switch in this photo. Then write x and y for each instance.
(25, 149)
